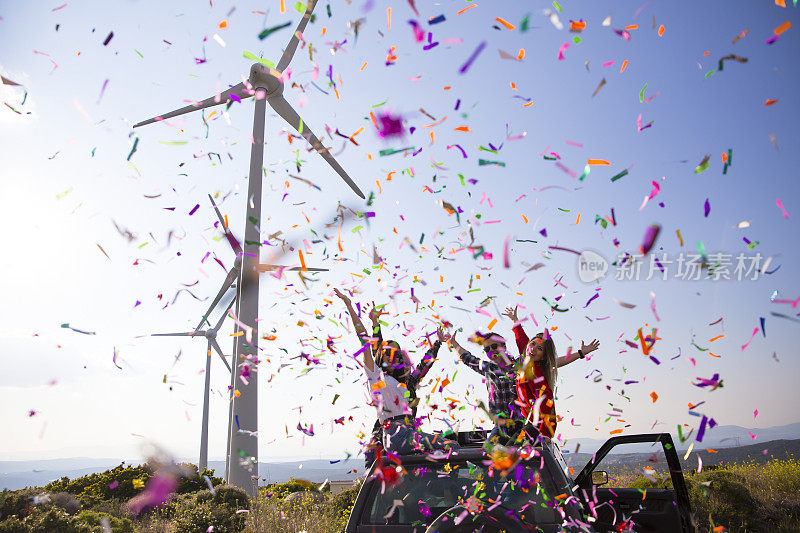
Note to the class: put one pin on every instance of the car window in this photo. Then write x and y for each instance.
(427, 491)
(629, 466)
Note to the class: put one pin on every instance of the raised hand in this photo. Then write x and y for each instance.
(588, 348)
(374, 314)
(440, 334)
(511, 313)
(341, 295)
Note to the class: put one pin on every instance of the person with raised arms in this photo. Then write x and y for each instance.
(391, 380)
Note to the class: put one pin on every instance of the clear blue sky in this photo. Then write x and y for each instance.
(66, 178)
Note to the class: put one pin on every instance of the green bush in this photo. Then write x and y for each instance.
(50, 519)
(198, 511)
(94, 520)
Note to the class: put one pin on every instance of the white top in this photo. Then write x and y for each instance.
(388, 394)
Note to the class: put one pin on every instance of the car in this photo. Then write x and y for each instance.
(469, 491)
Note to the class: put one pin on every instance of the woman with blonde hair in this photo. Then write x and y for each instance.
(536, 380)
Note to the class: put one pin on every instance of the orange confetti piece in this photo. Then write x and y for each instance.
(712, 354)
(525, 218)
(709, 450)
(770, 102)
(226, 221)
(492, 323)
(578, 220)
(467, 9)
(388, 18)
(781, 3)
(379, 385)
(302, 262)
(624, 66)
(782, 28)
(379, 186)
(505, 23)
(364, 65)
(615, 431)
(432, 139)
(577, 25)
(632, 27)
(706, 53)
(560, 496)
(679, 236)
(528, 104)
(716, 338)
(654, 396)
(283, 7)
(222, 25)
(597, 162)
(724, 157)
(463, 128)
(661, 30)
(521, 54)
(513, 85)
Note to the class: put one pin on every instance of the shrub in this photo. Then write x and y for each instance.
(66, 501)
(95, 520)
(199, 511)
(50, 519)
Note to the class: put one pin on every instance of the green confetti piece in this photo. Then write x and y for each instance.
(564, 210)
(557, 6)
(266, 32)
(487, 149)
(367, 272)
(523, 26)
(357, 228)
(701, 249)
(641, 94)
(484, 162)
(753, 245)
(702, 166)
(576, 39)
(266, 62)
(585, 173)
(709, 74)
(390, 151)
(138, 52)
(300, 7)
(461, 177)
(300, 129)
(328, 7)
(174, 143)
(143, 245)
(378, 105)
(620, 175)
(133, 148)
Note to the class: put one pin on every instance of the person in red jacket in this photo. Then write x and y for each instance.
(536, 380)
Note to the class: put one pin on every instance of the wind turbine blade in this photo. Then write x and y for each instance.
(282, 107)
(213, 343)
(222, 318)
(183, 334)
(264, 267)
(237, 247)
(286, 58)
(233, 273)
(237, 91)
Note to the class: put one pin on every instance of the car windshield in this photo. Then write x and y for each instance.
(426, 491)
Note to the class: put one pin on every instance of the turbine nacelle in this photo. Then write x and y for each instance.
(264, 77)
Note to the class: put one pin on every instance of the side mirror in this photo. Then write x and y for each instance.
(599, 478)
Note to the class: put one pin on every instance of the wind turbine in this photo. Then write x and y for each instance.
(211, 335)
(266, 85)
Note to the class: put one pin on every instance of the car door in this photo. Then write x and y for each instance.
(654, 508)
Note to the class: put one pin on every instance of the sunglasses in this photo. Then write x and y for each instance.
(492, 347)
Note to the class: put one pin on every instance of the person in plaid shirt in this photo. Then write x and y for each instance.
(500, 378)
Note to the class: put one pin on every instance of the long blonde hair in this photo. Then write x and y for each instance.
(549, 364)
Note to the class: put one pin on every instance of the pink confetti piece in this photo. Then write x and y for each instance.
(755, 331)
(572, 143)
(608, 63)
(506, 262)
(780, 204)
(562, 50)
(755, 413)
(59, 7)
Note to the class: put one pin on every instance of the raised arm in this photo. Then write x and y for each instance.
(580, 354)
(470, 360)
(361, 331)
(427, 360)
(519, 333)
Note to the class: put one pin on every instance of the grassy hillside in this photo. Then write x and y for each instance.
(736, 496)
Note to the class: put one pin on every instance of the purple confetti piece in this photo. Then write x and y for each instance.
(235, 98)
(463, 153)
(194, 209)
(702, 431)
(472, 58)
(596, 295)
(707, 208)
